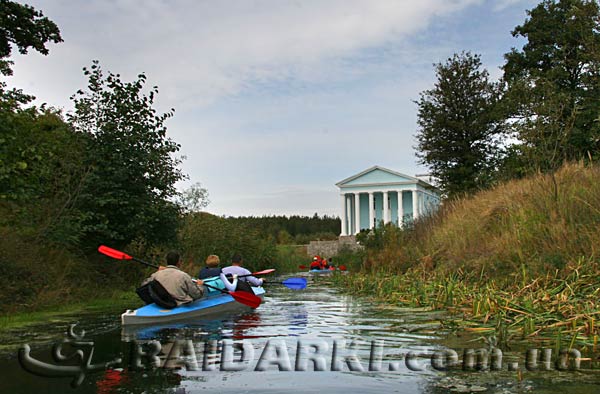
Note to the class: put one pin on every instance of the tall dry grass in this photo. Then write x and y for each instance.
(522, 227)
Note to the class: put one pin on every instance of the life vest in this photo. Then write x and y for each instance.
(324, 264)
(214, 281)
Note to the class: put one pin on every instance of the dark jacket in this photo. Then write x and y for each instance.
(207, 272)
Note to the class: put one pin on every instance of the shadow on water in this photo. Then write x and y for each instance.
(295, 323)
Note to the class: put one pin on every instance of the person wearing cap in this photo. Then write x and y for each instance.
(316, 263)
(237, 271)
(212, 267)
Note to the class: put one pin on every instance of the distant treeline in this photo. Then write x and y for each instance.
(292, 229)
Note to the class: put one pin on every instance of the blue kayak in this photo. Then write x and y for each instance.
(320, 272)
(213, 304)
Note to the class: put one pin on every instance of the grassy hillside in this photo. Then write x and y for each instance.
(530, 226)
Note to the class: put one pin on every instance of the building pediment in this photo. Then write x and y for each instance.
(379, 196)
(377, 175)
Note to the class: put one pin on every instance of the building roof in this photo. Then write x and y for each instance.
(380, 175)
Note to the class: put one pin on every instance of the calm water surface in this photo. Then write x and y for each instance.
(319, 315)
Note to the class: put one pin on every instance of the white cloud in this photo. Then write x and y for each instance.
(502, 4)
(201, 51)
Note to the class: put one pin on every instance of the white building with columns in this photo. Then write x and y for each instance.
(378, 195)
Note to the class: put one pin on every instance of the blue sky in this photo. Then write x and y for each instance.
(275, 101)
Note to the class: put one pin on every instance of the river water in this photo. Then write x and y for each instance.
(356, 346)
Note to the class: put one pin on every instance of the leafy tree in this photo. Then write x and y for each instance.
(194, 198)
(553, 83)
(24, 27)
(132, 181)
(40, 157)
(202, 234)
(284, 238)
(458, 125)
(41, 174)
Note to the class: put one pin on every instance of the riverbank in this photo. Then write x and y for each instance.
(65, 301)
(552, 309)
(52, 314)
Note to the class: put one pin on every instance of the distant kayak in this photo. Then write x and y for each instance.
(321, 272)
(324, 270)
(209, 306)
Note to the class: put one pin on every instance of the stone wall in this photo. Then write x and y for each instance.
(331, 248)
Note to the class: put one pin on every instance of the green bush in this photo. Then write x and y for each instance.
(290, 257)
(202, 234)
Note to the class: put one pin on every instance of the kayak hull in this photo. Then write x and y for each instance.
(210, 306)
(321, 272)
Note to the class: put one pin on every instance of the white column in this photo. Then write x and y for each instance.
(357, 212)
(415, 205)
(400, 209)
(348, 214)
(371, 211)
(386, 208)
(343, 217)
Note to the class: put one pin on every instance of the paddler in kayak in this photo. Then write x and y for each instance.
(170, 287)
(212, 267)
(212, 275)
(236, 270)
(316, 263)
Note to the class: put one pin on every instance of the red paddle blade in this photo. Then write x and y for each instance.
(264, 272)
(115, 254)
(342, 268)
(302, 267)
(246, 298)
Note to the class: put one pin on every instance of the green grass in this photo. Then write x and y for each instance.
(289, 257)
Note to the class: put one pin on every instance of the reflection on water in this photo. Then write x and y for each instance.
(233, 326)
(189, 353)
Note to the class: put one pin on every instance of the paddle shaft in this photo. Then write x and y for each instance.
(145, 263)
(245, 298)
(158, 267)
(118, 255)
